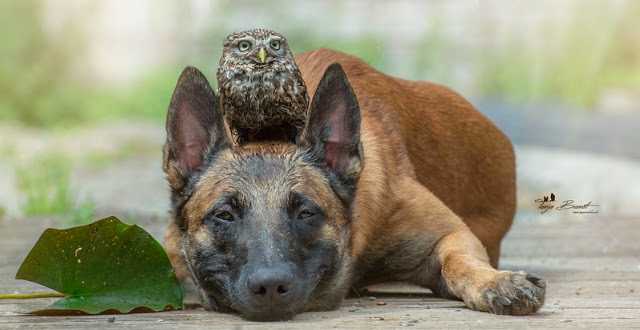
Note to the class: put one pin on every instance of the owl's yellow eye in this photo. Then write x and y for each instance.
(244, 45)
(275, 44)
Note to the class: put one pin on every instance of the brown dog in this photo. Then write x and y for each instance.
(391, 180)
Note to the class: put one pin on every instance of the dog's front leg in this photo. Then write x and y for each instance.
(466, 274)
(457, 265)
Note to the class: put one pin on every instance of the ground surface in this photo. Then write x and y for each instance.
(591, 263)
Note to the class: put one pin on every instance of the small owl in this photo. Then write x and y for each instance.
(262, 93)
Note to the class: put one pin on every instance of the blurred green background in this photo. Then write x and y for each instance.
(64, 63)
(84, 85)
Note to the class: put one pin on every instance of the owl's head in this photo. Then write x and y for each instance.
(255, 48)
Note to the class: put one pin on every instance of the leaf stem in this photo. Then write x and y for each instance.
(33, 295)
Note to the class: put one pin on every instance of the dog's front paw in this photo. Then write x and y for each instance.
(515, 293)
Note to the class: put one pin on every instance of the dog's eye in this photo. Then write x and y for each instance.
(305, 214)
(224, 216)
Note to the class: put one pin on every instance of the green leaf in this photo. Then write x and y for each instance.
(104, 266)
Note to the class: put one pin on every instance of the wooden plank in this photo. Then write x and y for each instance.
(592, 268)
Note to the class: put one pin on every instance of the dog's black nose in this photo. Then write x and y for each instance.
(272, 285)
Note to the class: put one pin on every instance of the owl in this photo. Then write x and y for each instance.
(262, 93)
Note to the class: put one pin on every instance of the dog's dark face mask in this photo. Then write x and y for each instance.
(265, 228)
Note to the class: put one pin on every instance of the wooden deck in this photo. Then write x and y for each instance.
(591, 264)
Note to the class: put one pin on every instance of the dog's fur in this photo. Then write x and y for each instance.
(408, 180)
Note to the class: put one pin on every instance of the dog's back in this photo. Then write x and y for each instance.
(435, 135)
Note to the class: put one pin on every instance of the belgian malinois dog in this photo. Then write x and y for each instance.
(390, 180)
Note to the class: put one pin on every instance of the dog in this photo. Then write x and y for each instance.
(391, 180)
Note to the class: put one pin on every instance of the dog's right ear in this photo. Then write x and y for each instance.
(195, 128)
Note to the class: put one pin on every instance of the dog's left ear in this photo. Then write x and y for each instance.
(195, 128)
(332, 133)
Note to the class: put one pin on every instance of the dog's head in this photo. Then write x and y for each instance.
(265, 228)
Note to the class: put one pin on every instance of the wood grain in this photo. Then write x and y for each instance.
(592, 265)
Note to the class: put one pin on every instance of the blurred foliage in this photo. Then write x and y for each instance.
(33, 68)
(574, 66)
(369, 48)
(46, 187)
(432, 52)
(128, 149)
(82, 214)
(590, 58)
(146, 98)
(35, 86)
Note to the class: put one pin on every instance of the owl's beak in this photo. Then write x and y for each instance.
(262, 55)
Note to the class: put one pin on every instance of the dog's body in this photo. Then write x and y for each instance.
(427, 133)
(396, 176)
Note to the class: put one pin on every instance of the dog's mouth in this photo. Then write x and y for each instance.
(269, 315)
(214, 300)
(265, 314)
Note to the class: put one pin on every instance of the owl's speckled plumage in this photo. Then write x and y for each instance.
(262, 98)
